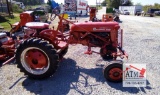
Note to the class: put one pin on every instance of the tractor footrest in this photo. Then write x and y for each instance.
(15, 24)
(88, 52)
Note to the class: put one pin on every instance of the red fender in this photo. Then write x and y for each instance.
(49, 34)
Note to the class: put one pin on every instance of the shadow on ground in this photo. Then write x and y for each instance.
(120, 21)
(71, 77)
(68, 77)
(2, 19)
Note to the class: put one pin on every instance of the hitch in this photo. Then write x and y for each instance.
(9, 60)
(89, 52)
(124, 54)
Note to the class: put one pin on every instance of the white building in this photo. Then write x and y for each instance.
(131, 9)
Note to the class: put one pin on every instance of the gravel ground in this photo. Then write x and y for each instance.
(81, 74)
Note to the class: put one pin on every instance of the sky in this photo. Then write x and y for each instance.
(93, 2)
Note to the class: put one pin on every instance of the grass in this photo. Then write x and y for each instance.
(157, 16)
(34, 6)
(99, 7)
(5, 18)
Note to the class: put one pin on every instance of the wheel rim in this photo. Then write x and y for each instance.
(115, 73)
(35, 60)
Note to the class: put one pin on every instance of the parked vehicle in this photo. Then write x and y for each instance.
(131, 9)
(10, 40)
(76, 7)
(20, 4)
(41, 14)
(138, 12)
(151, 12)
(125, 12)
(157, 13)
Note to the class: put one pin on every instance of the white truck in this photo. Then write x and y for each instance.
(20, 4)
(75, 7)
(131, 9)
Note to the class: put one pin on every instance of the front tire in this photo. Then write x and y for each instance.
(37, 58)
(113, 72)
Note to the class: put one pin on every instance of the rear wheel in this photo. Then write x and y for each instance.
(37, 58)
(113, 72)
(63, 52)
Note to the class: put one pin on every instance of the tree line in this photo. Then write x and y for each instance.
(117, 3)
(155, 6)
(31, 2)
(28, 2)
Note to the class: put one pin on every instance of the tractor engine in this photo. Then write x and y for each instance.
(96, 41)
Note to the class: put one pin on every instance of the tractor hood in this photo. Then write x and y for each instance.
(95, 26)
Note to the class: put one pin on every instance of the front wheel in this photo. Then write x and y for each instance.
(37, 58)
(113, 72)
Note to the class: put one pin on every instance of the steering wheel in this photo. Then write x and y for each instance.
(54, 13)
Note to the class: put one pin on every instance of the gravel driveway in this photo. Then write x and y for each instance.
(80, 74)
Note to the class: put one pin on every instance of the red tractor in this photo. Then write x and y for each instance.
(10, 40)
(41, 49)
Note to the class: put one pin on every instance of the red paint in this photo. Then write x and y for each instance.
(37, 25)
(94, 27)
(82, 3)
(36, 59)
(81, 8)
(115, 73)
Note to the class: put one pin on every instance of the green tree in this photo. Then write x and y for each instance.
(104, 3)
(128, 3)
(138, 4)
(117, 3)
(155, 6)
(31, 2)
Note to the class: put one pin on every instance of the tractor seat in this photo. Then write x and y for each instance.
(37, 25)
(3, 35)
(15, 24)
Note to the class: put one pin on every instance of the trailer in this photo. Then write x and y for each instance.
(75, 7)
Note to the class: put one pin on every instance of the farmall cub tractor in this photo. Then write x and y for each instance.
(38, 56)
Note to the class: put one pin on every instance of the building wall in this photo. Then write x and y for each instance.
(3, 8)
(131, 9)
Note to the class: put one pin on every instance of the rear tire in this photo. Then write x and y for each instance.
(37, 58)
(63, 52)
(113, 72)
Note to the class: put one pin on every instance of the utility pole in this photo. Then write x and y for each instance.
(99, 3)
(8, 8)
(1, 6)
(96, 4)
